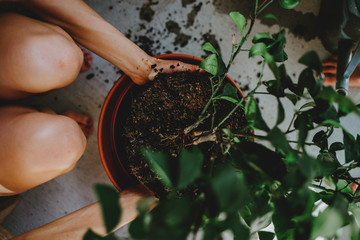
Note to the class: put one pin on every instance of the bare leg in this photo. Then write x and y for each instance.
(36, 147)
(35, 57)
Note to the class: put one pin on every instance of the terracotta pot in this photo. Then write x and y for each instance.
(110, 154)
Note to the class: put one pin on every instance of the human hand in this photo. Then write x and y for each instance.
(153, 66)
(329, 70)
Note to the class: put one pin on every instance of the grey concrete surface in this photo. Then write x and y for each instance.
(199, 21)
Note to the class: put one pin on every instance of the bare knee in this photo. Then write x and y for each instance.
(39, 57)
(42, 147)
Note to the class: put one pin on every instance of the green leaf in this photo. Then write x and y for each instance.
(240, 21)
(320, 140)
(90, 235)
(108, 197)
(269, 59)
(327, 223)
(312, 60)
(289, 4)
(210, 64)
(139, 228)
(303, 123)
(259, 159)
(336, 146)
(349, 143)
(346, 105)
(266, 235)
(190, 166)
(263, 37)
(292, 97)
(307, 105)
(258, 49)
(208, 47)
(272, 16)
(229, 188)
(327, 164)
(276, 48)
(275, 88)
(308, 81)
(254, 116)
(159, 163)
(240, 231)
(230, 93)
(278, 140)
(227, 98)
(281, 113)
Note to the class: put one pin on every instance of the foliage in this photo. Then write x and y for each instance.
(257, 185)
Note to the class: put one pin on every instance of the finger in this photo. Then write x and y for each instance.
(177, 66)
(171, 66)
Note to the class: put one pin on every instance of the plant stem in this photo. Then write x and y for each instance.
(233, 55)
(264, 5)
(243, 99)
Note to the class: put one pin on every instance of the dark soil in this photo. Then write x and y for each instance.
(160, 111)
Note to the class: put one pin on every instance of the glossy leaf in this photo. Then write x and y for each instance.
(229, 190)
(236, 225)
(289, 4)
(312, 60)
(253, 115)
(336, 146)
(90, 235)
(281, 113)
(230, 93)
(160, 165)
(190, 166)
(258, 158)
(258, 49)
(320, 140)
(239, 20)
(210, 64)
(292, 97)
(108, 197)
(346, 105)
(278, 140)
(303, 123)
(208, 47)
(263, 235)
(272, 16)
(327, 223)
(263, 37)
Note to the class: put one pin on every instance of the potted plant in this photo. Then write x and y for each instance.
(265, 177)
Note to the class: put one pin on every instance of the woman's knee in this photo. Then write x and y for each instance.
(37, 57)
(60, 142)
(39, 148)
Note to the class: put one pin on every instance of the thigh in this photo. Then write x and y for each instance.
(36, 147)
(35, 57)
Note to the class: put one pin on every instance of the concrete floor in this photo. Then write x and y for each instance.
(199, 21)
